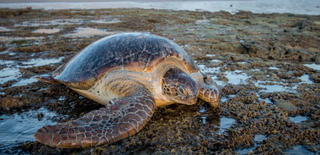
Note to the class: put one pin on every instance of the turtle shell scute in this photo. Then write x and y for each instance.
(140, 52)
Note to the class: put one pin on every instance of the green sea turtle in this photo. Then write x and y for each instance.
(131, 74)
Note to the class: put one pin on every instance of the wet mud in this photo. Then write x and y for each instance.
(267, 65)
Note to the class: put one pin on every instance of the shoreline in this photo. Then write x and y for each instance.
(53, 1)
(311, 7)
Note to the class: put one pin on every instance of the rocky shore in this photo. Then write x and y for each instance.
(267, 66)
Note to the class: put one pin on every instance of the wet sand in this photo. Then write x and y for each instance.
(267, 66)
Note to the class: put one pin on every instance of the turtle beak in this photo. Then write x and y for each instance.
(193, 97)
(193, 100)
(188, 100)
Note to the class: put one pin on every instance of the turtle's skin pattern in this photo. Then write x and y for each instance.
(131, 74)
(98, 127)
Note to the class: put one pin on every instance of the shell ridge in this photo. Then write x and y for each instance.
(138, 52)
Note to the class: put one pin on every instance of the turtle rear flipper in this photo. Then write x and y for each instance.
(122, 118)
(46, 78)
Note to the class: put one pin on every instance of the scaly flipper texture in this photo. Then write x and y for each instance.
(210, 92)
(122, 118)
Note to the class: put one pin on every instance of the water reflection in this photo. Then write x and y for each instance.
(12, 72)
(298, 119)
(221, 123)
(20, 127)
(49, 31)
(81, 31)
(299, 150)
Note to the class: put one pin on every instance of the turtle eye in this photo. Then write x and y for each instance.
(182, 90)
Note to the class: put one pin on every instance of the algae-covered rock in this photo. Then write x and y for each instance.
(255, 50)
(315, 77)
(243, 66)
(313, 50)
(317, 23)
(317, 59)
(238, 57)
(214, 64)
(284, 104)
(296, 54)
(221, 21)
(289, 74)
(228, 47)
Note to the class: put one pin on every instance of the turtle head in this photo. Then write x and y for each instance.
(179, 87)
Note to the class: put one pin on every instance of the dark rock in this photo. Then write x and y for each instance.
(315, 77)
(284, 104)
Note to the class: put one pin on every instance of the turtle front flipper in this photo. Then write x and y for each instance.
(209, 91)
(122, 118)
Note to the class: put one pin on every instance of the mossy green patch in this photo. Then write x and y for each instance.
(21, 42)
